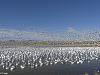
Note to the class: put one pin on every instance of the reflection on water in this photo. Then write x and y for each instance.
(50, 60)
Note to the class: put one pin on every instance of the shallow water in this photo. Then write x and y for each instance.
(60, 69)
(50, 61)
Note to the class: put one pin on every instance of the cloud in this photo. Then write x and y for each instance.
(11, 34)
(7, 34)
(70, 29)
(72, 34)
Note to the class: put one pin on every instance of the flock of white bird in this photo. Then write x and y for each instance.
(34, 57)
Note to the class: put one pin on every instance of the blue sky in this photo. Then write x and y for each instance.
(49, 15)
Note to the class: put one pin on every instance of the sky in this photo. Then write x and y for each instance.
(53, 16)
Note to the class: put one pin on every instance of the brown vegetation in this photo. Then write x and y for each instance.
(11, 43)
